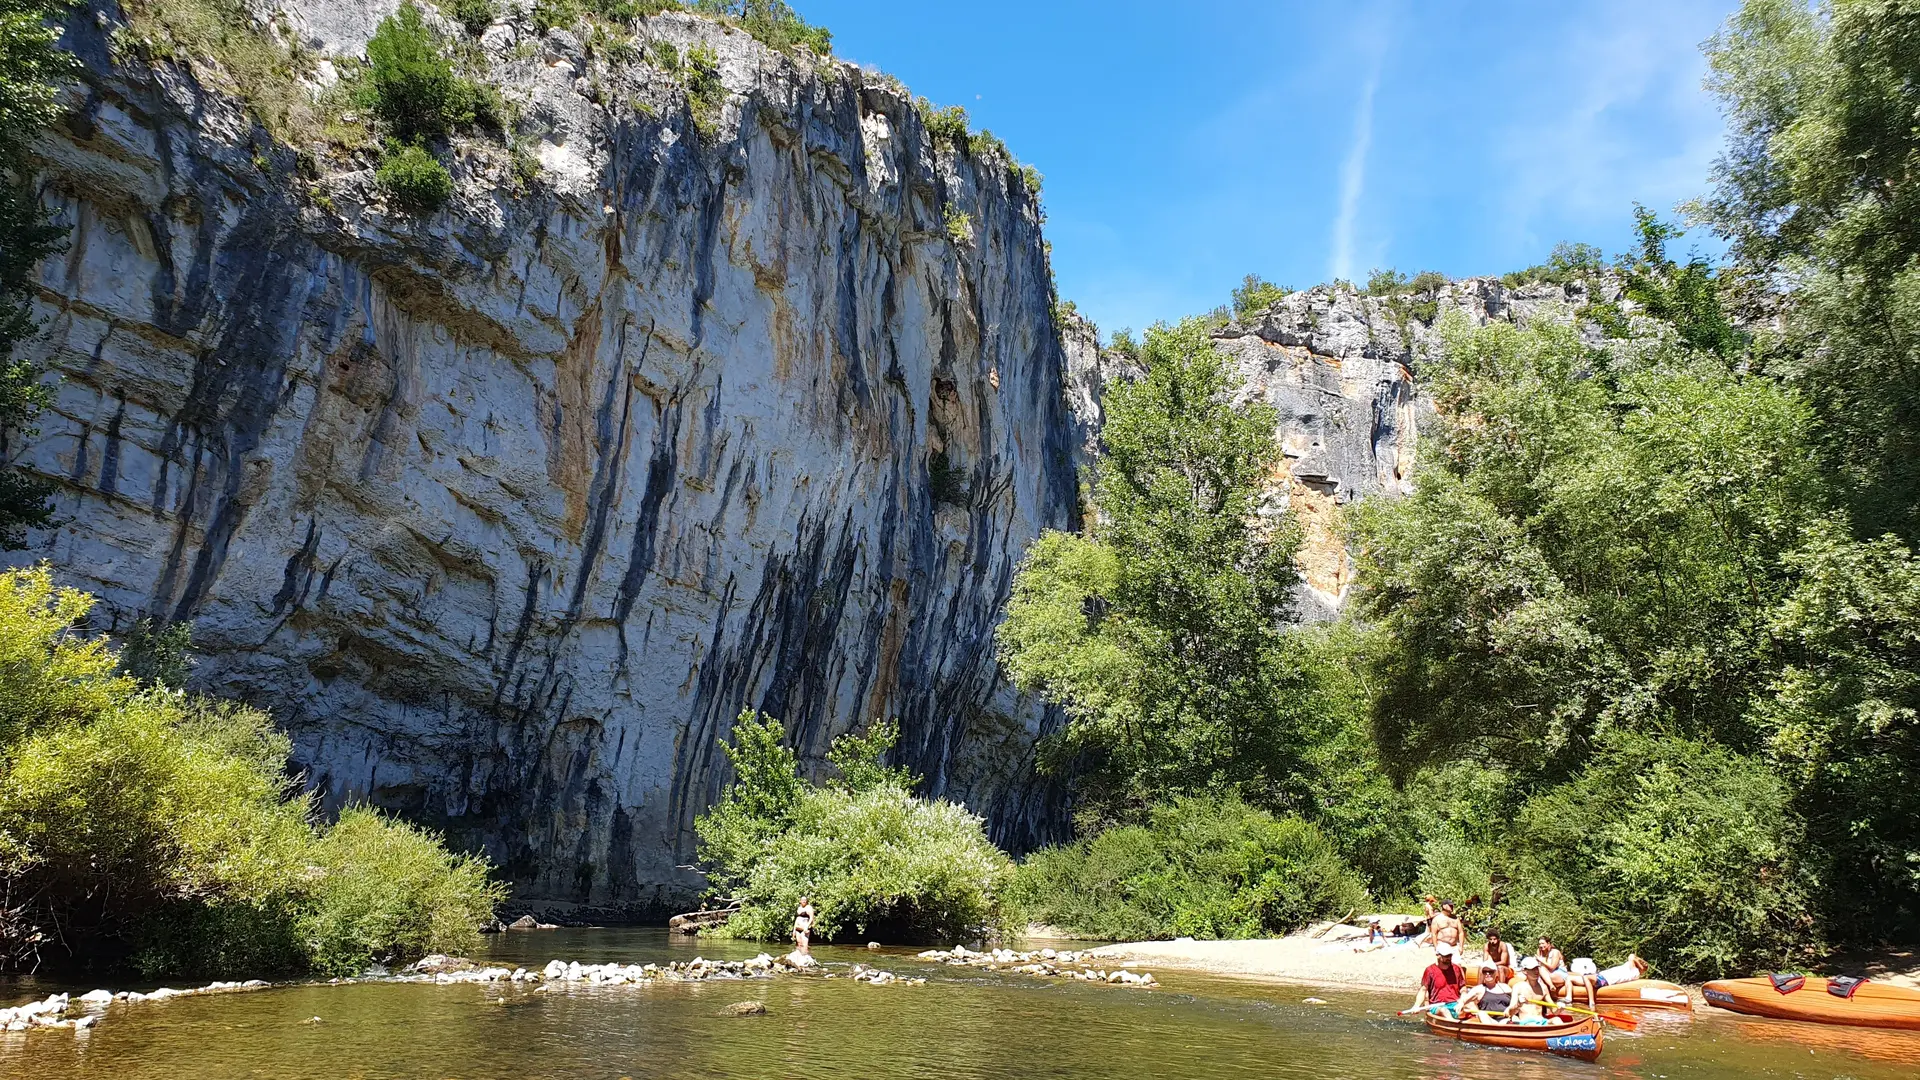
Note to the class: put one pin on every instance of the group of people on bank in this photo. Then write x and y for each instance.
(1507, 988)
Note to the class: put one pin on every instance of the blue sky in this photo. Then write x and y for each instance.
(1185, 145)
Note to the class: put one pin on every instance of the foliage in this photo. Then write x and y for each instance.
(664, 54)
(386, 891)
(772, 23)
(876, 861)
(1686, 298)
(1158, 631)
(157, 653)
(706, 94)
(1566, 265)
(1200, 867)
(1256, 295)
(414, 179)
(946, 481)
(1813, 189)
(150, 825)
(473, 16)
(946, 126)
(411, 84)
(246, 60)
(959, 224)
(30, 67)
(1684, 853)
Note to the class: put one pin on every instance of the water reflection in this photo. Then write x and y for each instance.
(963, 1024)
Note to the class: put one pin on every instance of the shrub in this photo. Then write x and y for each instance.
(151, 825)
(772, 23)
(945, 126)
(876, 861)
(946, 481)
(473, 15)
(959, 224)
(1256, 295)
(1682, 852)
(1453, 868)
(665, 55)
(387, 891)
(414, 179)
(706, 94)
(1205, 867)
(410, 82)
(877, 864)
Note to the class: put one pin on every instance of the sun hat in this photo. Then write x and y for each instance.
(1585, 966)
(1529, 963)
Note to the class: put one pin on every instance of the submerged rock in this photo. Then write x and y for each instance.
(746, 1008)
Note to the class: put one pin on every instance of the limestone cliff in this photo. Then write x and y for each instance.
(506, 512)
(1342, 369)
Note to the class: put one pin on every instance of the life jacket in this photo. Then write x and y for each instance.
(1843, 986)
(1787, 984)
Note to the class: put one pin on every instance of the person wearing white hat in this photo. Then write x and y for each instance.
(1440, 984)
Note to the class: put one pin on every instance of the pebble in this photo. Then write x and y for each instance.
(1044, 963)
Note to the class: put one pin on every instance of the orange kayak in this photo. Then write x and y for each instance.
(1576, 1039)
(1644, 994)
(1872, 1005)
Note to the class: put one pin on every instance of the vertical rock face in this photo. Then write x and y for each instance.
(1341, 369)
(506, 512)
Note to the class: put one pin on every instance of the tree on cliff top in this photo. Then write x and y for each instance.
(29, 68)
(1160, 630)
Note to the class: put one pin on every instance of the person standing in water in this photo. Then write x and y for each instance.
(803, 927)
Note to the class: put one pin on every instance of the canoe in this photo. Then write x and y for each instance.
(1873, 1005)
(1576, 1039)
(1644, 994)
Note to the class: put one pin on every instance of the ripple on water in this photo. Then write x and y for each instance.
(963, 1024)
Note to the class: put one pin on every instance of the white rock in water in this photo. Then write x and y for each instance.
(85, 1022)
(554, 969)
(97, 997)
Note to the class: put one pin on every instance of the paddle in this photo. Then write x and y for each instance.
(1616, 1019)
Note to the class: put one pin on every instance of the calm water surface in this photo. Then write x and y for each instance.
(962, 1024)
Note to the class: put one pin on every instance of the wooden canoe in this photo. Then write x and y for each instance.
(1874, 1004)
(1643, 994)
(1575, 1039)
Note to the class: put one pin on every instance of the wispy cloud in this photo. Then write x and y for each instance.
(1353, 171)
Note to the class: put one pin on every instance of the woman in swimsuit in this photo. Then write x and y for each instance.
(803, 927)
(1489, 999)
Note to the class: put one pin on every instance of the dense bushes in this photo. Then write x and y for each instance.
(153, 826)
(877, 862)
(1209, 868)
(414, 179)
(1688, 854)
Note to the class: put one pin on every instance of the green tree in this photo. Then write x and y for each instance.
(1159, 632)
(30, 69)
(1256, 295)
(1815, 189)
(411, 84)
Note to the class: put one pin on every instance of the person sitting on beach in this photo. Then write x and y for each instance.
(1500, 952)
(1440, 984)
(1489, 999)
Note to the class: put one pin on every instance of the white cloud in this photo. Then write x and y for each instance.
(1353, 170)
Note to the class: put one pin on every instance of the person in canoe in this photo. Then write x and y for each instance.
(1488, 1000)
(1545, 990)
(1586, 977)
(1500, 953)
(1550, 956)
(1441, 983)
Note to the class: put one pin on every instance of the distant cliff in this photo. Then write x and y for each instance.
(1343, 370)
(506, 512)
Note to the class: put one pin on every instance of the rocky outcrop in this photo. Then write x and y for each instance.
(506, 512)
(1342, 369)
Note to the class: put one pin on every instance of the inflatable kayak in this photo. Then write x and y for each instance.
(1576, 1039)
(1644, 994)
(1872, 1004)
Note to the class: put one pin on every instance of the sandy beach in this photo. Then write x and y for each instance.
(1325, 955)
(1321, 955)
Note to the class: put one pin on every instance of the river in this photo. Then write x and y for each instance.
(964, 1023)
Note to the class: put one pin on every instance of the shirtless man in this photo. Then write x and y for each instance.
(1443, 927)
(1500, 953)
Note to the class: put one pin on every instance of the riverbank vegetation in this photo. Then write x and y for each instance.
(876, 861)
(143, 826)
(1635, 664)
